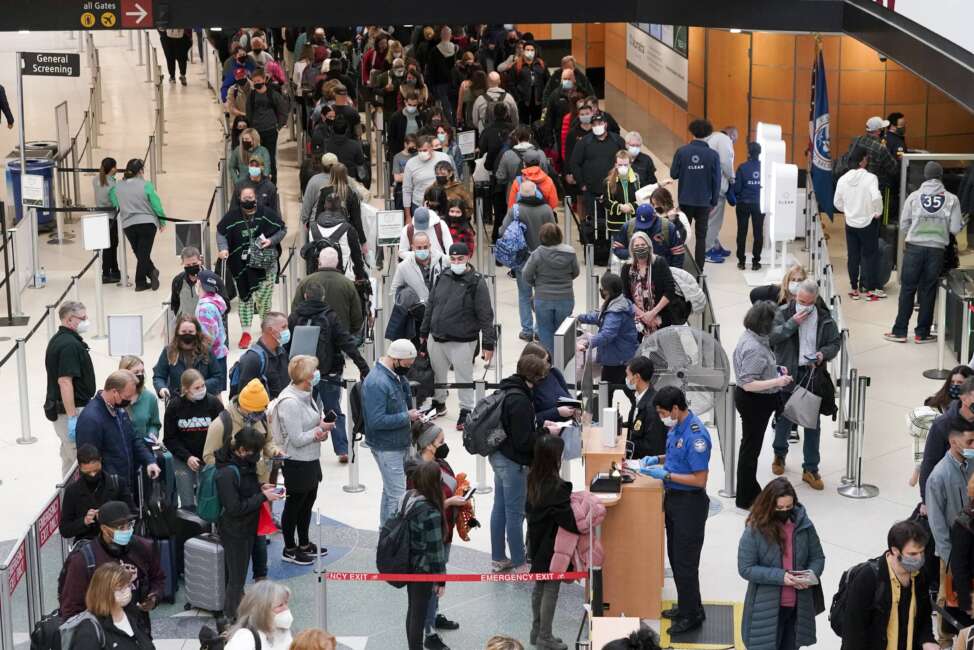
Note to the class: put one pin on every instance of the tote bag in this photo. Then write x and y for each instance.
(803, 406)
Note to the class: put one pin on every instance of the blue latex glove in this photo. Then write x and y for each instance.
(649, 461)
(72, 427)
(656, 472)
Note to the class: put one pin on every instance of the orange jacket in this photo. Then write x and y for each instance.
(542, 180)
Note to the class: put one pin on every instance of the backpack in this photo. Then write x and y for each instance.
(208, 505)
(235, 370)
(67, 630)
(82, 547)
(838, 607)
(437, 228)
(511, 249)
(319, 241)
(483, 432)
(491, 101)
(664, 231)
(355, 409)
(392, 552)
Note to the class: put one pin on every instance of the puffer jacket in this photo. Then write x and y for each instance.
(759, 562)
(545, 185)
(572, 549)
(617, 340)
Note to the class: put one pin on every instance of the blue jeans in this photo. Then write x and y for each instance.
(391, 468)
(524, 295)
(810, 442)
(550, 314)
(507, 516)
(920, 271)
(434, 606)
(330, 393)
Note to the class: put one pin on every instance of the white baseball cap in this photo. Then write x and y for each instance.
(875, 123)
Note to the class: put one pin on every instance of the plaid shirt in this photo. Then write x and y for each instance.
(426, 550)
(881, 162)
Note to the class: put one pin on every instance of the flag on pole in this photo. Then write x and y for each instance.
(821, 144)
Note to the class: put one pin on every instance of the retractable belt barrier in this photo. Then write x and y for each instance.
(348, 576)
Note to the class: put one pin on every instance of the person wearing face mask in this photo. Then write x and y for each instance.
(458, 219)
(580, 82)
(642, 163)
(429, 446)
(236, 104)
(103, 184)
(406, 121)
(105, 424)
(648, 283)
(559, 103)
(188, 418)
(259, 54)
(721, 142)
(415, 276)
(399, 164)
(387, 85)
(113, 623)
(258, 180)
(525, 159)
(666, 234)
(617, 340)
(646, 431)
(452, 185)
(620, 192)
(783, 292)
(386, 415)
(592, 159)
(189, 348)
(182, 296)
(946, 492)
(211, 314)
(267, 112)
(950, 390)
(70, 377)
(116, 544)
(528, 78)
(141, 215)
(250, 146)
(238, 61)
(264, 619)
(458, 315)
(299, 426)
(84, 496)
(144, 410)
(449, 146)
(426, 220)
(779, 540)
(887, 604)
(267, 359)
(683, 470)
(242, 495)
(419, 173)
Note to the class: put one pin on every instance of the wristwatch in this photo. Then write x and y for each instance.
(667, 477)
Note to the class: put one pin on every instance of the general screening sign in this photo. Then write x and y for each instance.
(50, 64)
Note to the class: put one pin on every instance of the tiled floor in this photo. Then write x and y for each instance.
(850, 530)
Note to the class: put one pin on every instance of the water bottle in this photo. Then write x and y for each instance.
(42, 278)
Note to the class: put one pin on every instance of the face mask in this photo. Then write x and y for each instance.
(193, 269)
(423, 254)
(91, 480)
(442, 180)
(441, 137)
(598, 129)
(260, 86)
(249, 204)
(410, 110)
(968, 454)
(285, 337)
(84, 326)
(139, 382)
(804, 309)
(458, 269)
(782, 515)
(122, 537)
(246, 144)
(257, 50)
(251, 418)
(640, 253)
(911, 564)
(529, 54)
(187, 339)
(316, 378)
(397, 72)
(400, 370)
(630, 384)
(198, 395)
(585, 119)
(283, 620)
(425, 155)
(442, 451)
(123, 404)
(241, 82)
(668, 422)
(567, 84)
(623, 170)
(954, 391)
(793, 288)
(254, 171)
(123, 597)
(633, 151)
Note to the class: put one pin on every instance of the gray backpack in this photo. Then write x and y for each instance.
(70, 626)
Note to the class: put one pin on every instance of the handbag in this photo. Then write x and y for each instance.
(261, 258)
(803, 406)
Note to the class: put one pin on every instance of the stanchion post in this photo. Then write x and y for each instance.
(842, 430)
(857, 489)
(728, 445)
(148, 58)
(6, 610)
(965, 328)
(49, 314)
(24, 398)
(590, 299)
(353, 462)
(850, 452)
(480, 392)
(603, 402)
(101, 331)
(123, 262)
(940, 372)
(568, 221)
(35, 587)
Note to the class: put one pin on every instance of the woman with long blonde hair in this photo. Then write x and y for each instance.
(240, 156)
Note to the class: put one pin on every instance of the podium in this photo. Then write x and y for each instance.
(632, 534)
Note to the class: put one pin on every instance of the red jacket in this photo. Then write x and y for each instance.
(545, 185)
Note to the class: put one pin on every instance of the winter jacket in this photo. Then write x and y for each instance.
(234, 234)
(551, 270)
(533, 212)
(461, 232)
(439, 233)
(930, 215)
(491, 144)
(240, 496)
(386, 399)
(546, 186)
(459, 308)
(784, 337)
(667, 234)
(457, 190)
(333, 338)
(80, 497)
(622, 194)
(485, 103)
(87, 636)
(169, 375)
(518, 421)
(617, 340)
(409, 274)
(179, 284)
(946, 494)
(349, 152)
(697, 167)
(551, 513)
(962, 557)
(582, 83)
(396, 130)
(296, 418)
(545, 395)
(881, 162)
(857, 196)
(593, 158)
(573, 549)
(186, 424)
(266, 191)
(747, 182)
(312, 193)
(340, 294)
(112, 435)
(528, 81)
(759, 563)
(209, 312)
(219, 441)
(936, 444)
(645, 168)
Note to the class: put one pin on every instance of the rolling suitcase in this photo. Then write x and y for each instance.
(166, 548)
(205, 573)
(190, 525)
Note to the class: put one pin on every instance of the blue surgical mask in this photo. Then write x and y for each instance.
(285, 337)
(122, 537)
(459, 269)
(630, 384)
(423, 254)
(567, 84)
(254, 171)
(968, 454)
(441, 137)
(316, 379)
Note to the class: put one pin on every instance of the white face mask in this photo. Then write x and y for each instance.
(529, 54)
(804, 309)
(283, 620)
(598, 129)
(793, 287)
(459, 269)
(425, 155)
(198, 395)
(623, 170)
(84, 326)
(123, 597)
(630, 384)
(668, 422)
(633, 151)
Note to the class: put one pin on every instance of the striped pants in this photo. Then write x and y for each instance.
(259, 301)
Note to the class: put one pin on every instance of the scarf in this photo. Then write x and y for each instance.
(893, 625)
(447, 49)
(642, 290)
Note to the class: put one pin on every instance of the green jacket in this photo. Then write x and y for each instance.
(144, 413)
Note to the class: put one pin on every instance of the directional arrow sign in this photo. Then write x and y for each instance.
(137, 13)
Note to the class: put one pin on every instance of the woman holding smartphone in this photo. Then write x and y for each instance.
(299, 427)
(781, 558)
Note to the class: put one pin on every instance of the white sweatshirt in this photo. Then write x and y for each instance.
(857, 196)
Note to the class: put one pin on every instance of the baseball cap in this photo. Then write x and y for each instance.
(459, 249)
(329, 159)
(209, 281)
(645, 213)
(875, 123)
(598, 117)
(115, 513)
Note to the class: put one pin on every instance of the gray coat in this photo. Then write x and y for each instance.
(759, 562)
(784, 336)
(550, 270)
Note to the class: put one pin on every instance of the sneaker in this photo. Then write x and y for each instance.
(172, 80)
(741, 266)
(296, 556)
(312, 549)
(522, 568)
(443, 623)
(462, 419)
(869, 297)
(924, 339)
(755, 266)
(440, 409)
(434, 642)
(814, 480)
(154, 279)
(778, 465)
(879, 293)
(526, 336)
(855, 295)
(499, 566)
(793, 437)
(343, 459)
(182, 80)
(715, 258)
(244, 342)
(139, 288)
(723, 252)
(895, 338)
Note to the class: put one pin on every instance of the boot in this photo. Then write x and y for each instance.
(549, 600)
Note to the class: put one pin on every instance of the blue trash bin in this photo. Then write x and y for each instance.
(38, 166)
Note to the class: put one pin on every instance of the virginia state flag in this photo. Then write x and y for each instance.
(821, 145)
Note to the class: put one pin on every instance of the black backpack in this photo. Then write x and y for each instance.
(46, 634)
(392, 553)
(317, 242)
(838, 608)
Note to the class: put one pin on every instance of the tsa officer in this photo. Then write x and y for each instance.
(684, 475)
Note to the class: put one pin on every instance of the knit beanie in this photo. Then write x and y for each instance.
(253, 398)
(933, 170)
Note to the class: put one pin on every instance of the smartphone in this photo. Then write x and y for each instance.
(330, 416)
(470, 493)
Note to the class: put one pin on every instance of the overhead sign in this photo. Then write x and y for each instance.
(99, 14)
(32, 188)
(137, 14)
(50, 64)
(663, 64)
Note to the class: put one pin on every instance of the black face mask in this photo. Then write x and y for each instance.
(411, 149)
(187, 339)
(91, 481)
(123, 404)
(140, 382)
(442, 180)
(241, 82)
(782, 516)
(248, 205)
(246, 144)
(441, 452)
(402, 371)
(260, 86)
(193, 269)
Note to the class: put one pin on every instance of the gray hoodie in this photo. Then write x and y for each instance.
(930, 215)
(293, 422)
(533, 212)
(550, 270)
